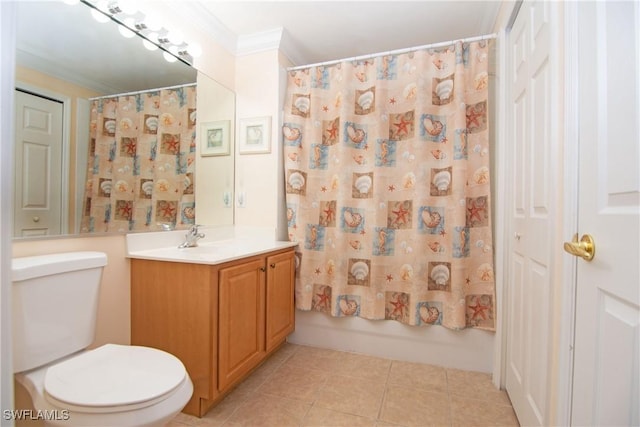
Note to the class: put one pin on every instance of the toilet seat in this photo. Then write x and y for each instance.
(113, 378)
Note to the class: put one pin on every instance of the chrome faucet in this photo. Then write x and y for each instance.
(191, 238)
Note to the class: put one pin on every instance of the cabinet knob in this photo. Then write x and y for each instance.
(263, 269)
(272, 265)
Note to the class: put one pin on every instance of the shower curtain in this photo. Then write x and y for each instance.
(387, 187)
(141, 165)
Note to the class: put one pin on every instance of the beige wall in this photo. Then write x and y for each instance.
(257, 175)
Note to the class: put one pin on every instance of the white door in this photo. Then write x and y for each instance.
(38, 165)
(534, 148)
(607, 333)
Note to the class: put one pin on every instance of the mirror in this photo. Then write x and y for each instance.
(64, 56)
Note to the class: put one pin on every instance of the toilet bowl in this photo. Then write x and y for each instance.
(113, 385)
(54, 310)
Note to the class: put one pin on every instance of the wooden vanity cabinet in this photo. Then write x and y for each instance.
(220, 320)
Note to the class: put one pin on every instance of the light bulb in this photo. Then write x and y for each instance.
(149, 45)
(125, 29)
(168, 57)
(99, 16)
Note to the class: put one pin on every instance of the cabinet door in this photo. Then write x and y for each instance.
(171, 309)
(280, 307)
(240, 320)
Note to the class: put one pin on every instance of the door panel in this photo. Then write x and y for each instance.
(38, 160)
(534, 175)
(606, 378)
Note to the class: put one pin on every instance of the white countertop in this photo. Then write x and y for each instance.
(220, 245)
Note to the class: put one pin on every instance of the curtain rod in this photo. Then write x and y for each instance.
(137, 92)
(395, 52)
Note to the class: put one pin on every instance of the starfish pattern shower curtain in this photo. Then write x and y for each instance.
(387, 187)
(140, 173)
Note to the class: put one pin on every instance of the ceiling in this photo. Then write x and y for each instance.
(318, 31)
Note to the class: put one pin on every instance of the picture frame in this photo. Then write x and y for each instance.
(214, 138)
(255, 135)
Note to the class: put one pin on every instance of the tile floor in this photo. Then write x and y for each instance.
(306, 386)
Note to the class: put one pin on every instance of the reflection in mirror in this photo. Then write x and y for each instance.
(64, 60)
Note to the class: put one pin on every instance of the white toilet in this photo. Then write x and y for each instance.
(55, 299)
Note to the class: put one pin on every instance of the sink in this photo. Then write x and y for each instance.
(209, 250)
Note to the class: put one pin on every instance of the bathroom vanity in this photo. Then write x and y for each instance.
(221, 307)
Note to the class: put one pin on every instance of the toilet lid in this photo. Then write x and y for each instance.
(114, 375)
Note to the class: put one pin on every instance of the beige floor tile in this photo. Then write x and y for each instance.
(220, 413)
(255, 380)
(294, 382)
(182, 420)
(418, 375)
(320, 417)
(322, 359)
(351, 395)
(265, 410)
(386, 424)
(466, 412)
(410, 407)
(476, 385)
(366, 367)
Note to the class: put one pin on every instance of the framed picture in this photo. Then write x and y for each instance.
(214, 138)
(255, 135)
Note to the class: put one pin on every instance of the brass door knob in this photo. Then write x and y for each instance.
(585, 248)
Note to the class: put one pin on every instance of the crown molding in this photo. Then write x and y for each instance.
(259, 42)
(292, 51)
(278, 38)
(205, 21)
(46, 65)
(237, 45)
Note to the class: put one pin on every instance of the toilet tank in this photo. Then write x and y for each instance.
(55, 303)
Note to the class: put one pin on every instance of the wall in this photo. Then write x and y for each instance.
(257, 175)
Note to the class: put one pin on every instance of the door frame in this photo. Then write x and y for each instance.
(8, 14)
(564, 310)
(66, 145)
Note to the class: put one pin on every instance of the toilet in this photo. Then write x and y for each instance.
(55, 303)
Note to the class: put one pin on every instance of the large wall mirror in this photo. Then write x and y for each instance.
(69, 67)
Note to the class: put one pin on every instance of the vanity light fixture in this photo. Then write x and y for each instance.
(155, 36)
